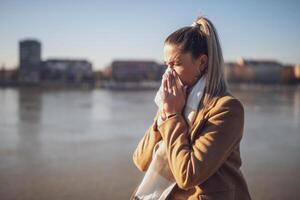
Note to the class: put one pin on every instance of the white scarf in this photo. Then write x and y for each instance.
(159, 180)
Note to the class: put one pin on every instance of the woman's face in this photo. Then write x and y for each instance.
(186, 67)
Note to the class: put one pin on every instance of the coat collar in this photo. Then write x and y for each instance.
(201, 117)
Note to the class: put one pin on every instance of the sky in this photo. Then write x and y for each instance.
(105, 30)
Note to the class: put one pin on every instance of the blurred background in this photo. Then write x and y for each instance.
(78, 79)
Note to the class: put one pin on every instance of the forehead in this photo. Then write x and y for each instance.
(171, 54)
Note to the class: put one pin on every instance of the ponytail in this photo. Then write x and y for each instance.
(216, 83)
(202, 38)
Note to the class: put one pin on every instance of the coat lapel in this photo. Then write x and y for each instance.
(200, 120)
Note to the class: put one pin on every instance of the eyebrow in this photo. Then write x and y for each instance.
(177, 60)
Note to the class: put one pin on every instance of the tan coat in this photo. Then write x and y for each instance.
(205, 162)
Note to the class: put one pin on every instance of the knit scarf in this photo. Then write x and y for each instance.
(159, 181)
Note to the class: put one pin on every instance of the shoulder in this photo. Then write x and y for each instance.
(228, 103)
(228, 100)
(227, 116)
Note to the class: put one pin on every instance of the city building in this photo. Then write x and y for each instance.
(291, 74)
(254, 71)
(33, 70)
(67, 70)
(30, 61)
(135, 71)
(297, 72)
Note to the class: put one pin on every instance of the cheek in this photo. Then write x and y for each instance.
(179, 71)
(183, 74)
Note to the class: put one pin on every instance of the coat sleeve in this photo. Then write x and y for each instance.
(192, 164)
(142, 155)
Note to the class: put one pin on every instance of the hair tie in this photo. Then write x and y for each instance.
(195, 24)
(198, 26)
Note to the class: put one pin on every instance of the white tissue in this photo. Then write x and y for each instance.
(159, 94)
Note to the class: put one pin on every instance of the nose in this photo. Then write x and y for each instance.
(169, 65)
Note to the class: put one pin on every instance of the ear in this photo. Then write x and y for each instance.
(203, 59)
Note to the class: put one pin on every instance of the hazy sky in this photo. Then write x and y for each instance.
(101, 31)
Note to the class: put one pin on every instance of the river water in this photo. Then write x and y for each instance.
(78, 144)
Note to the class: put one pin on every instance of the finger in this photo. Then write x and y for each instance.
(165, 89)
(174, 85)
(165, 86)
(174, 90)
(179, 85)
(177, 81)
(163, 114)
(164, 95)
(169, 83)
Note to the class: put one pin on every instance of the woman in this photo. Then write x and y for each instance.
(201, 149)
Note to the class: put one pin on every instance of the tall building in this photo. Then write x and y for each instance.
(30, 61)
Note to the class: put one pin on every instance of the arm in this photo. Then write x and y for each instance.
(192, 164)
(142, 156)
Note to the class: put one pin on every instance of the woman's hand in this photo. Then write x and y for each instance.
(174, 95)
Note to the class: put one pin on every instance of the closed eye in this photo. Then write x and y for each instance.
(172, 63)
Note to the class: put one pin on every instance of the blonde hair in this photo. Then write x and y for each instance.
(202, 38)
(216, 83)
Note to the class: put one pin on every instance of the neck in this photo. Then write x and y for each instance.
(195, 81)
